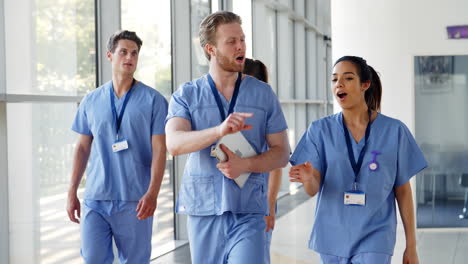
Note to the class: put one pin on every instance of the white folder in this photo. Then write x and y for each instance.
(238, 144)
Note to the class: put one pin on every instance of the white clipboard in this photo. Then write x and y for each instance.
(238, 144)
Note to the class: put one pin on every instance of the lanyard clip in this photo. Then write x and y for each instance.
(355, 186)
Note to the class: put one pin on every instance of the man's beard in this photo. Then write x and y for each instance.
(227, 65)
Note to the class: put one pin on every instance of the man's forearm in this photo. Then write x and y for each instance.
(183, 142)
(79, 166)
(158, 166)
(275, 157)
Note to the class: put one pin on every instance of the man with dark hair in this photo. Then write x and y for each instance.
(123, 34)
(225, 221)
(121, 131)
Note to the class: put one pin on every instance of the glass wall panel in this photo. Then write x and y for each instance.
(285, 54)
(272, 61)
(151, 21)
(323, 68)
(215, 5)
(265, 40)
(199, 10)
(288, 60)
(289, 111)
(310, 10)
(441, 91)
(330, 108)
(244, 9)
(50, 47)
(311, 65)
(313, 113)
(40, 150)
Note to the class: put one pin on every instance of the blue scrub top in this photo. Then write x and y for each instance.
(342, 230)
(123, 175)
(204, 189)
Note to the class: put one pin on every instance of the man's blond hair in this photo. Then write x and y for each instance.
(209, 25)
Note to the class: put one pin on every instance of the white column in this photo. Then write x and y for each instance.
(264, 39)
(19, 34)
(23, 197)
(20, 69)
(300, 86)
(4, 227)
(108, 21)
(4, 219)
(181, 53)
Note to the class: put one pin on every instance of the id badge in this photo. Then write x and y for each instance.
(120, 145)
(355, 198)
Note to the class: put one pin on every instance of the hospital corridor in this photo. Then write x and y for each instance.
(352, 109)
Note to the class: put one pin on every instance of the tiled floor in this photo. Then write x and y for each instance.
(60, 239)
(289, 244)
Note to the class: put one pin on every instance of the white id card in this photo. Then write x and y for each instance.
(120, 145)
(355, 198)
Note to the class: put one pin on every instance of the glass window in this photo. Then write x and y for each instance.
(441, 91)
(214, 5)
(272, 55)
(50, 47)
(286, 78)
(310, 10)
(151, 20)
(50, 50)
(40, 152)
(264, 39)
(199, 10)
(243, 8)
(311, 64)
(323, 69)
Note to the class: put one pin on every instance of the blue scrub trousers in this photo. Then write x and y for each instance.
(227, 238)
(362, 258)
(103, 220)
(267, 246)
(268, 240)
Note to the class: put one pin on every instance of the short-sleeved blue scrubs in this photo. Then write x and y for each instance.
(342, 230)
(116, 181)
(204, 190)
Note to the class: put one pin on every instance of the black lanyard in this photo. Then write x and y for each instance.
(118, 118)
(356, 166)
(218, 99)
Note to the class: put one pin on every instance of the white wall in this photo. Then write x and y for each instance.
(388, 34)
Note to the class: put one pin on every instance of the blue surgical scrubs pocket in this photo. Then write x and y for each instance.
(380, 182)
(253, 197)
(139, 179)
(197, 196)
